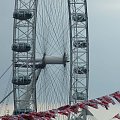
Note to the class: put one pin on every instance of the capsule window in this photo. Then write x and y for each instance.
(80, 70)
(21, 47)
(21, 80)
(22, 15)
(79, 44)
(79, 17)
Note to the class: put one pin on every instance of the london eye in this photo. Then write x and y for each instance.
(50, 55)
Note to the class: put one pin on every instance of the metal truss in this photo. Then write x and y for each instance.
(24, 38)
(79, 50)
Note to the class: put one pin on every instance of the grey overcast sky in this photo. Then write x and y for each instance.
(104, 46)
(104, 36)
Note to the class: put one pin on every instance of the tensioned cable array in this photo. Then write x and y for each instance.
(54, 31)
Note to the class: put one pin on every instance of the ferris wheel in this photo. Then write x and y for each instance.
(50, 55)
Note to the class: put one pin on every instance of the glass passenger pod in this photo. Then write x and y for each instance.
(78, 96)
(21, 80)
(21, 47)
(21, 111)
(37, 66)
(79, 17)
(80, 70)
(79, 44)
(22, 15)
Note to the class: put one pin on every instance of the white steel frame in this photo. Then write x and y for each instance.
(79, 55)
(25, 31)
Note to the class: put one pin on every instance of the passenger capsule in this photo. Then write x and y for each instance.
(80, 70)
(21, 111)
(79, 17)
(79, 44)
(78, 96)
(21, 80)
(22, 15)
(21, 47)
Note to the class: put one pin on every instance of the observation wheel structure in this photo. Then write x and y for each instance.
(24, 78)
(40, 55)
(79, 47)
(50, 55)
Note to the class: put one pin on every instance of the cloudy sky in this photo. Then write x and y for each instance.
(104, 36)
(104, 46)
